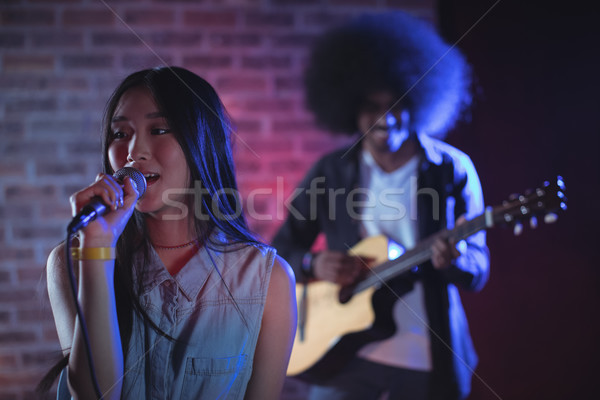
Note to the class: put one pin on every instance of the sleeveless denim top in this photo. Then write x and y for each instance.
(215, 335)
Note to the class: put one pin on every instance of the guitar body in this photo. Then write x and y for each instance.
(333, 331)
(338, 336)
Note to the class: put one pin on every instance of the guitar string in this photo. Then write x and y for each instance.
(384, 283)
(461, 231)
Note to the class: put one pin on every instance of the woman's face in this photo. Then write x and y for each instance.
(141, 138)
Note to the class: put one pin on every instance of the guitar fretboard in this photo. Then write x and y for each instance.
(420, 253)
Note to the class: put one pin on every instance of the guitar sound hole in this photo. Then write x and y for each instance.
(345, 294)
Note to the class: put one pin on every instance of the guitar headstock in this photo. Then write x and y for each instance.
(545, 201)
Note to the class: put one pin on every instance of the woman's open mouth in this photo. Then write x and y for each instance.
(151, 178)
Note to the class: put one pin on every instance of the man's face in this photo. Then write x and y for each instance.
(383, 121)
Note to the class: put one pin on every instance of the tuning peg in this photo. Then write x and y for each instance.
(550, 218)
(518, 229)
(533, 222)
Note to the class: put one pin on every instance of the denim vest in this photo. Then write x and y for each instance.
(215, 335)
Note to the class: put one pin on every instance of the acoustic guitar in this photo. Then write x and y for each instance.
(335, 321)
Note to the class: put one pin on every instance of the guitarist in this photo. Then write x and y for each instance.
(374, 76)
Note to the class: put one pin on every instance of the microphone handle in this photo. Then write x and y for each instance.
(96, 206)
(90, 212)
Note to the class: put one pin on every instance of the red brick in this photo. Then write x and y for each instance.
(38, 232)
(11, 295)
(27, 81)
(57, 39)
(242, 84)
(83, 102)
(28, 62)
(116, 39)
(288, 165)
(53, 128)
(320, 145)
(18, 149)
(220, 40)
(151, 17)
(60, 168)
(263, 62)
(40, 357)
(414, 4)
(12, 169)
(34, 314)
(28, 193)
(30, 275)
(12, 40)
(49, 334)
(9, 394)
(55, 211)
(10, 128)
(248, 125)
(170, 39)
(244, 166)
(68, 190)
(274, 145)
(7, 361)
(55, 1)
(293, 83)
(84, 148)
(29, 105)
(293, 125)
(365, 3)
(295, 2)
(147, 59)
(19, 378)
(208, 61)
(23, 18)
(325, 19)
(5, 277)
(100, 17)
(296, 40)
(270, 19)
(205, 19)
(87, 61)
(269, 105)
(16, 209)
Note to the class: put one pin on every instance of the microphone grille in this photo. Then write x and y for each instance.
(135, 176)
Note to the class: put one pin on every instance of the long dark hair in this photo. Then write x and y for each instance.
(198, 119)
(203, 129)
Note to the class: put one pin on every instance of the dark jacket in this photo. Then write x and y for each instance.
(448, 187)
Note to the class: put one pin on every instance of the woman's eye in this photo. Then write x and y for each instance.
(117, 135)
(160, 131)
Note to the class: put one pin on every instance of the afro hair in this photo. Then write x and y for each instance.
(391, 51)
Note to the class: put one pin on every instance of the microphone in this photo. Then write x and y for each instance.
(96, 206)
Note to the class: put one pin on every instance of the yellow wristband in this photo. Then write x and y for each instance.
(93, 253)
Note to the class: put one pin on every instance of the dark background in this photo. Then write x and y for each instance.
(535, 324)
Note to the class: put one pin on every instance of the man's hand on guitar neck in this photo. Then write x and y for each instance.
(444, 251)
(338, 267)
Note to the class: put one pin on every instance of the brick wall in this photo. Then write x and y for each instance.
(59, 60)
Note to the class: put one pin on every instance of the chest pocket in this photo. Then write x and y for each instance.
(215, 378)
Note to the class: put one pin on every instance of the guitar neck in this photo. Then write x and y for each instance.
(422, 252)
